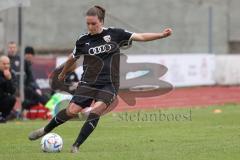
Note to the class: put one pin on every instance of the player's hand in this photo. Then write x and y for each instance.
(7, 74)
(61, 76)
(167, 32)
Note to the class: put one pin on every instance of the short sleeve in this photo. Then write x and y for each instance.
(75, 54)
(79, 46)
(123, 37)
(77, 51)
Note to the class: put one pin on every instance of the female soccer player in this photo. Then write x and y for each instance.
(100, 79)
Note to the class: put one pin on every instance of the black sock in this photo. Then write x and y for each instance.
(87, 128)
(59, 119)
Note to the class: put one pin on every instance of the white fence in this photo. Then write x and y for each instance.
(227, 70)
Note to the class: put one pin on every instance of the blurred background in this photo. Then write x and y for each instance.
(203, 51)
(200, 26)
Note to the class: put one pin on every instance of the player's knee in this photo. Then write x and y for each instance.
(73, 109)
(99, 108)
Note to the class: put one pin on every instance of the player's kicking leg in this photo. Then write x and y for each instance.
(62, 116)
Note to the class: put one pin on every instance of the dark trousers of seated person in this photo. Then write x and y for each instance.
(7, 103)
(32, 98)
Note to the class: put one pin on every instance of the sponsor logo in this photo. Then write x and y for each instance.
(100, 49)
(107, 38)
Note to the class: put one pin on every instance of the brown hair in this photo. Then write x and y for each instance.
(97, 11)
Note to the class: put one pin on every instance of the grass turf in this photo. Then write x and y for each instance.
(192, 134)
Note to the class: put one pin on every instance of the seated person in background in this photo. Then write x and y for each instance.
(7, 89)
(16, 65)
(33, 94)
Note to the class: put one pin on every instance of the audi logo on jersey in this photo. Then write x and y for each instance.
(100, 49)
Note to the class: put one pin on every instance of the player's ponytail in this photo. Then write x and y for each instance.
(97, 11)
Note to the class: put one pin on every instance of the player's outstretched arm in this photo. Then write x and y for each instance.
(151, 36)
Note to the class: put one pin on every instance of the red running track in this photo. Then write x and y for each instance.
(186, 97)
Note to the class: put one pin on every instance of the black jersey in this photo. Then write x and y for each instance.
(101, 55)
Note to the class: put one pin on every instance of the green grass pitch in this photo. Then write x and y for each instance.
(187, 134)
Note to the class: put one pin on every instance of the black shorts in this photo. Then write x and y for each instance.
(85, 94)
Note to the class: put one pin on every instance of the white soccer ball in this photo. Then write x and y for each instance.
(51, 142)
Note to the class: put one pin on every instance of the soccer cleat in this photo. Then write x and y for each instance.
(36, 134)
(74, 149)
